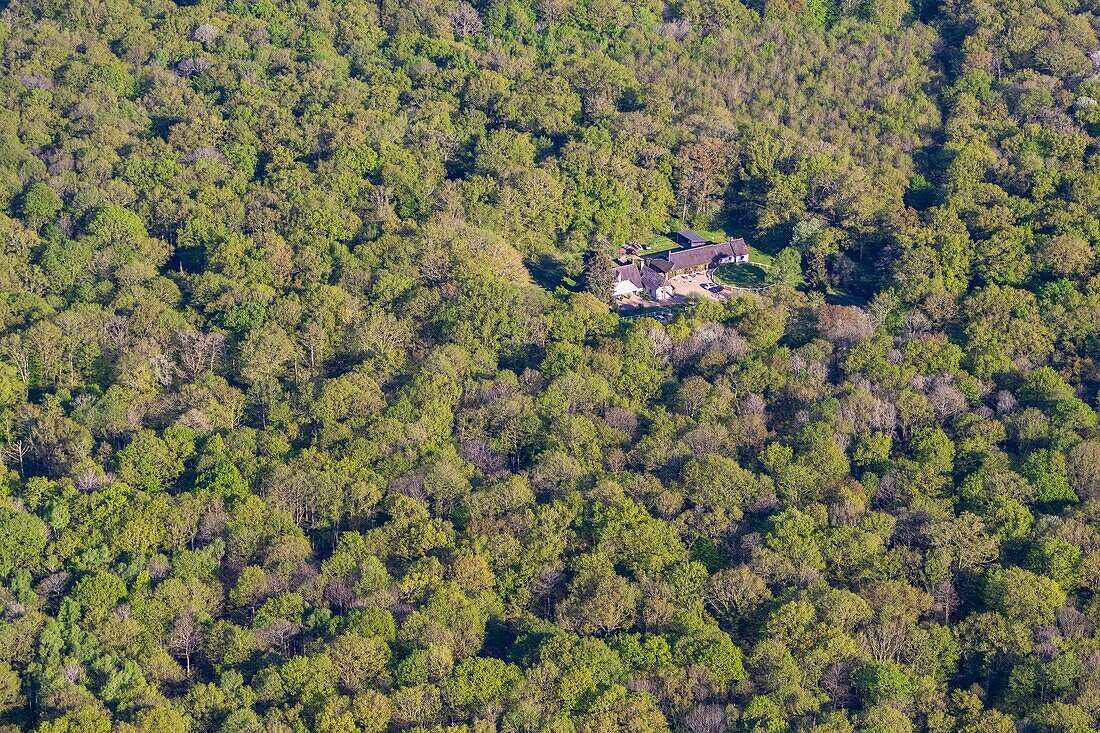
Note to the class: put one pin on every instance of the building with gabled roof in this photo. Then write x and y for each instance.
(740, 249)
(656, 283)
(700, 257)
(688, 238)
(655, 274)
(628, 279)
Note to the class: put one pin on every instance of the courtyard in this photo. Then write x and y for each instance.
(684, 289)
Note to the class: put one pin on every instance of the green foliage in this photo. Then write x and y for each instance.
(315, 413)
(477, 683)
(40, 203)
(882, 682)
(10, 694)
(1046, 470)
(1022, 596)
(22, 541)
(786, 267)
(149, 463)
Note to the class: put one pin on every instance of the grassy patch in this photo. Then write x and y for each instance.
(657, 243)
(759, 258)
(550, 273)
(748, 275)
(649, 311)
(839, 296)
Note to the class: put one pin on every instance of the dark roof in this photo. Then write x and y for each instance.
(629, 272)
(661, 263)
(651, 278)
(684, 259)
(690, 236)
(738, 247)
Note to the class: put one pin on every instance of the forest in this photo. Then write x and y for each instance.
(315, 418)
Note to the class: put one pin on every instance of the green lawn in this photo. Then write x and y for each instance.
(670, 309)
(838, 296)
(657, 243)
(749, 275)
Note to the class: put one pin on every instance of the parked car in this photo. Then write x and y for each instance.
(712, 287)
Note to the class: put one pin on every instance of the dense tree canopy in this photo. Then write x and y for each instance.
(314, 416)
